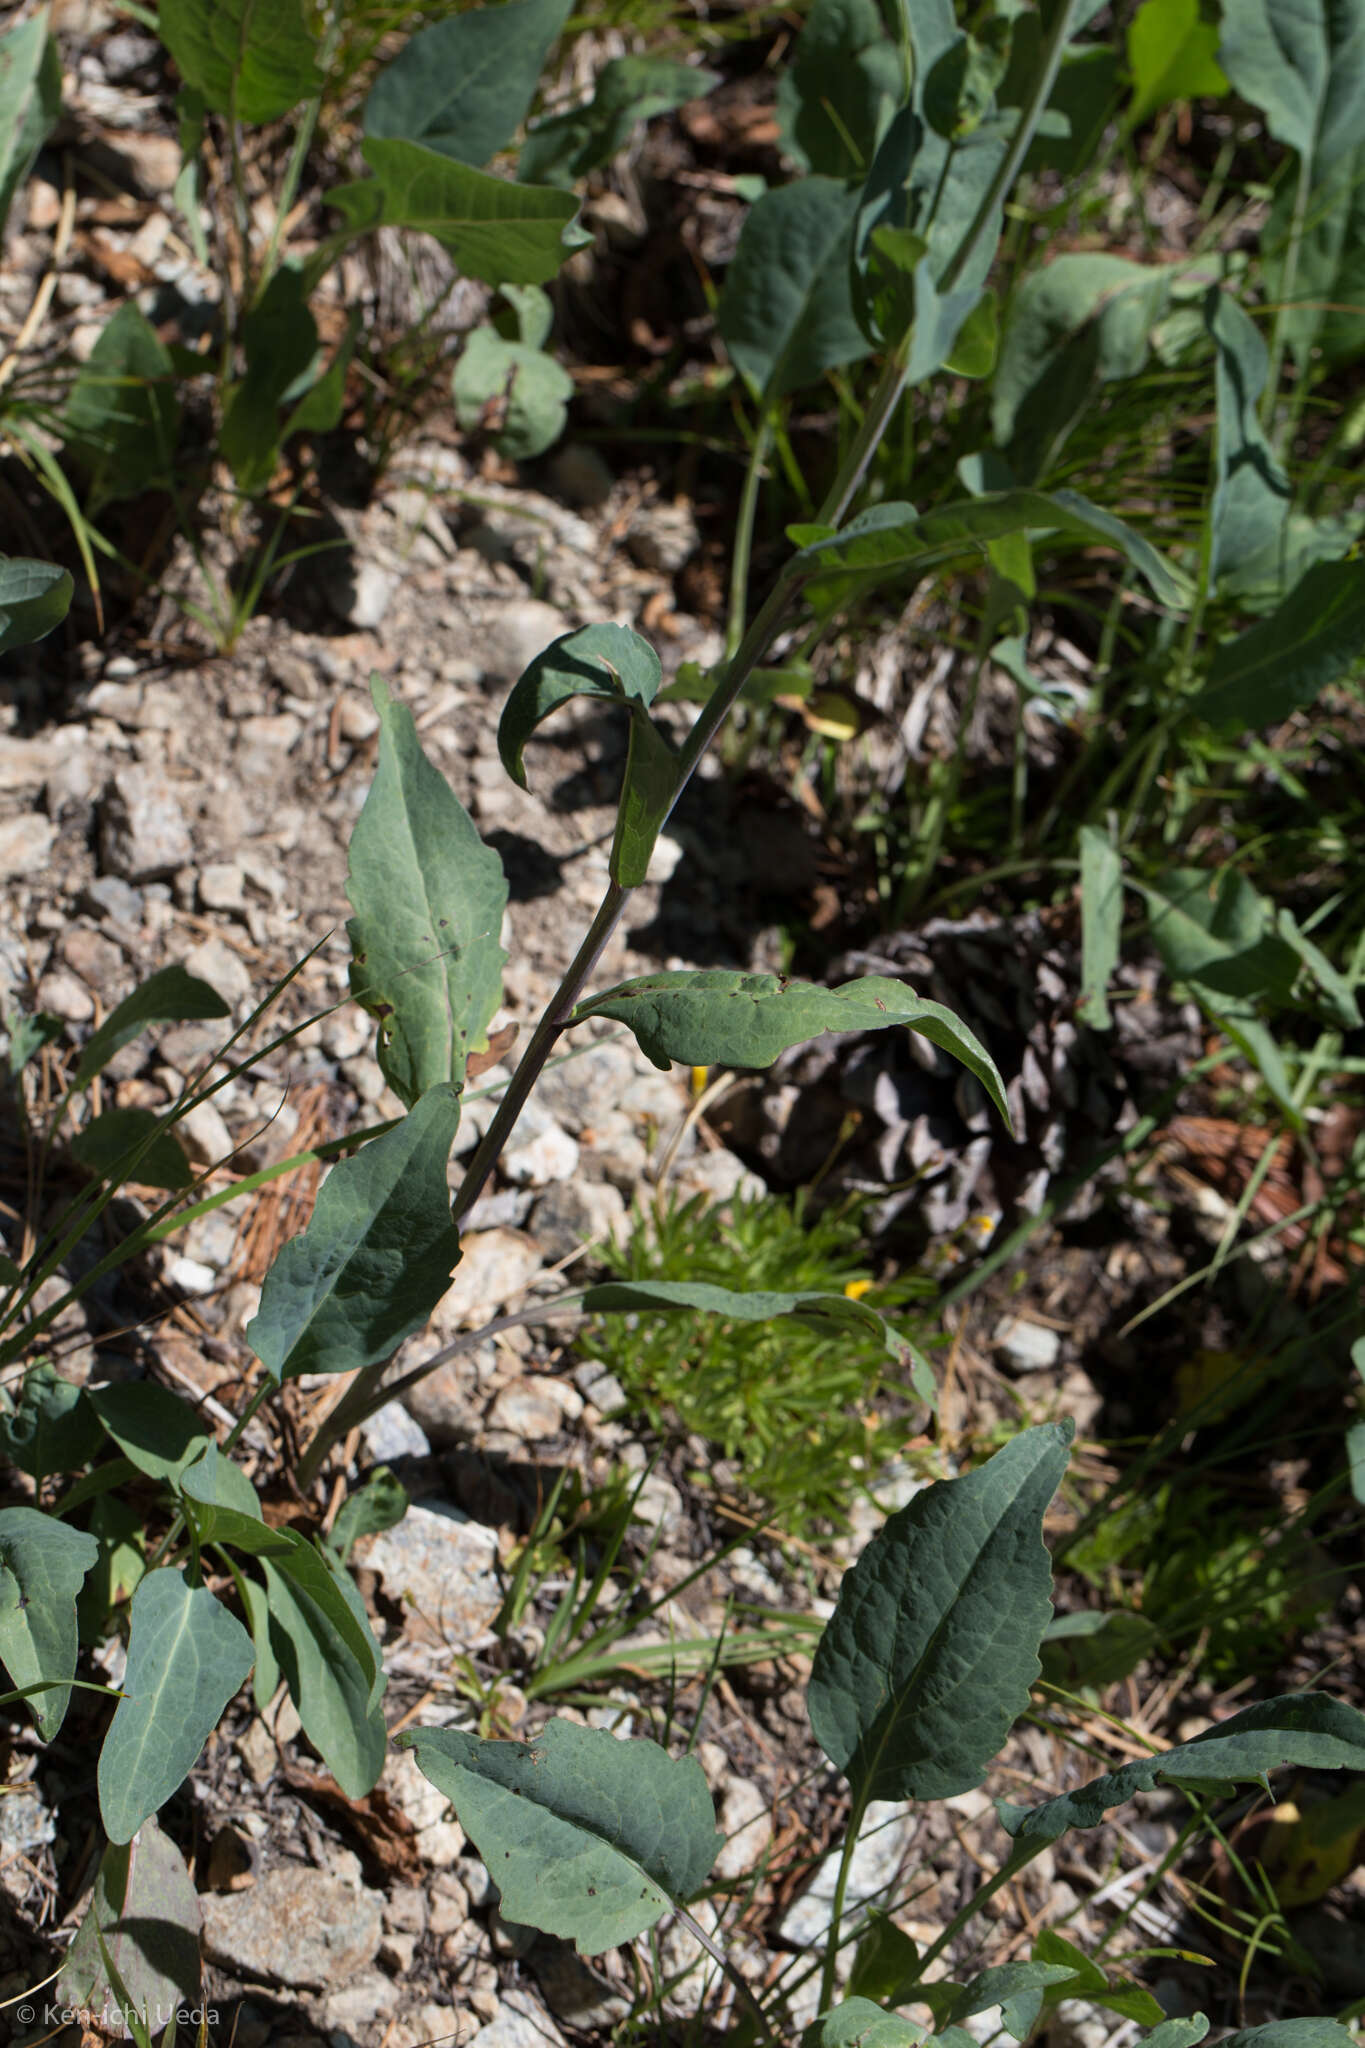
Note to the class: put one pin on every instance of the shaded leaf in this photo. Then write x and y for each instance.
(380, 1504)
(1101, 924)
(858, 2023)
(717, 1017)
(280, 342)
(34, 597)
(526, 390)
(122, 418)
(933, 1644)
(786, 313)
(28, 1034)
(1308, 1848)
(838, 93)
(42, 1566)
(170, 996)
(429, 897)
(186, 1658)
(497, 231)
(250, 59)
(30, 101)
(1089, 1648)
(155, 1430)
(1314, 638)
(464, 85)
(1309, 1729)
(322, 1641)
(1214, 933)
(628, 90)
(222, 1506)
(128, 1144)
(145, 1912)
(931, 187)
(587, 1837)
(1250, 492)
(1017, 1988)
(51, 1427)
(376, 1257)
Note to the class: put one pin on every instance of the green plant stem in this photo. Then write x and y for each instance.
(719, 1957)
(964, 1916)
(744, 537)
(857, 1813)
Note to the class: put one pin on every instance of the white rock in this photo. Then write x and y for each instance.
(887, 1831)
(495, 1267)
(363, 597)
(1026, 1346)
(143, 832)
(532, 1409)
(519, 2023)
(515, 635)
(578, 1212)
(25, 844)
(747, 1825)
(391, 1433)
(65, 996)
(222, 886)
(190, 1276)
(357, 720)
(369, 1997)
(215, 962)
(204, 1134)
(441, 1568)
(550, 1155)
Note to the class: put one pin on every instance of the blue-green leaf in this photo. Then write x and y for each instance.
(464, 85)
(43, 1564)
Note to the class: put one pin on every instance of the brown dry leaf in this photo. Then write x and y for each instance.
(381, 1827)
(499, 1042)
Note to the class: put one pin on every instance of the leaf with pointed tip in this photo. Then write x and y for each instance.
(43, 1564)
(250, 59)
(376, 1257)
(587, 1837)
(928, 1657)
(186, 1658)
(718, 1017)
(170, 996)
(34, 597)
(222, 1506)
(464, 85)
(613, 663)
(497, 231)
(786, 313)
(1017, 1988)
(129, 1144)
(321, 1638)
(1250, 500)
(1282, 664)
(51, 1428)
(30, 102)
(858, 2023)
(894, 540)
(839, 91)
(122, 417)
(429, 897)
(155, 1430)
(1173, 56)
(1310, 1729)
(144, 1912)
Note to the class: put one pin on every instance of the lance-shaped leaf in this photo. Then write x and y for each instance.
(615, 664)
(34, 597)
(122, 418)
(280, 342)
(250, 59)
(1101, 924)
(826, 1311)
(1250, 491)
(43, 1563)
(894, 540)
(170, 996)
(928, 1657)
(144, 1916)
(30, 101)
(463, 86)
(322, 1641)
(376, 1257)
(718, 1017)
(786, 313)
(587, 1837)
(429, 897)
(186, 1658)
(1309, 1729)
(1316, 637)
(497, 231)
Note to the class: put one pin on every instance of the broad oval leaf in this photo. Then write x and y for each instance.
(1309, 1729)
(587, 1837)
(1017, 1988)
(170, 996)
(719, 1017)
(376, 1257)
(144, 1916)
(429, 897)
(839, 91)
(130, 1144)
(896, 540)
(250, 59)
(323, 1645)
(43, 1564)
(497, 231)
(786, 313)
(34, 597)
(1172, 54)
(858, 2023)
(464, 85)
(186, 1658)
(928, 1657)
(530, 389)
(155, 1430)
(1280, 665)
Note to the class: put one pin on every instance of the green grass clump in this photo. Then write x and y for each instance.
(806, 1419)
